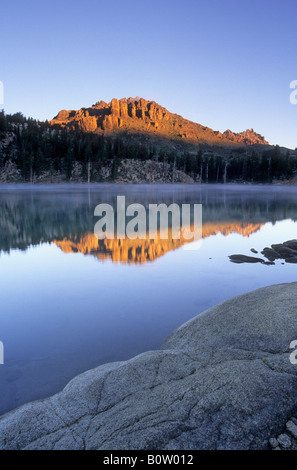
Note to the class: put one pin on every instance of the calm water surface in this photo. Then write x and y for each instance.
(70, 303)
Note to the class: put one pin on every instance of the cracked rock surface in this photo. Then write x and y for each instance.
(223, 380)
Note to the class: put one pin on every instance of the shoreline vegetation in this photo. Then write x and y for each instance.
(38, 152)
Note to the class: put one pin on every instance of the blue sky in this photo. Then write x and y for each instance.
(222, 63)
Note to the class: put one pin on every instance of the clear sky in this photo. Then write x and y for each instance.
(226, 64)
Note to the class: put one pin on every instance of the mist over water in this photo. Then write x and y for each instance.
(70, 302)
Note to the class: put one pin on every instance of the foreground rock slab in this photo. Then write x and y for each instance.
(223, 380)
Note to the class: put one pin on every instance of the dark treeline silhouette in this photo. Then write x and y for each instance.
(37, 148)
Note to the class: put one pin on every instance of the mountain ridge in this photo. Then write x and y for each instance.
(120, 142)
(138, 115)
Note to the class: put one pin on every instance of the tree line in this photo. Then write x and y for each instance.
(37, 148)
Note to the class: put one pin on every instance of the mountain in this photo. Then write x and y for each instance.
(135, 141)
(139, 116)
(141, 251)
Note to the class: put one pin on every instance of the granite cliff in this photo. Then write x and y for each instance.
(137, 115)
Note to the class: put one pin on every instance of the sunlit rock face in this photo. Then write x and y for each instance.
(141, 251)
(138, 115)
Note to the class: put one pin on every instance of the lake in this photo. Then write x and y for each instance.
(70, 302)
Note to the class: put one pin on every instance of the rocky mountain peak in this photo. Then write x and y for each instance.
(138, 115)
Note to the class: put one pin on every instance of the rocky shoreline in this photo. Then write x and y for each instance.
(127, 171)
(223, 380)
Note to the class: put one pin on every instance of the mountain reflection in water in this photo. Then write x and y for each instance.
(66, 217)
(144, 250)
